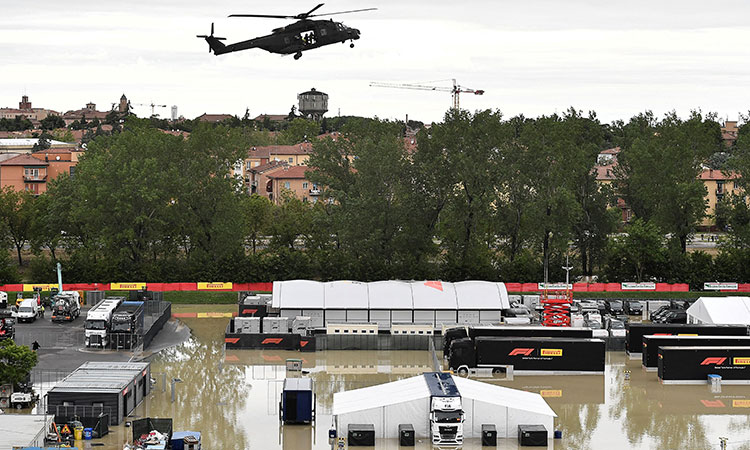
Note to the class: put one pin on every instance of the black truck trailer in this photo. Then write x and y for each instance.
(529, 355)
(513, 331)
(693, 365)
(634, 333)
(127, 324)
(651, 344)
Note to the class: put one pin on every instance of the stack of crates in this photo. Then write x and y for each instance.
(275, 325)
(247, 325)
(301, 324)
(5, 392)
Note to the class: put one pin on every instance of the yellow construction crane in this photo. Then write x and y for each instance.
(152, 105)
(455, 90)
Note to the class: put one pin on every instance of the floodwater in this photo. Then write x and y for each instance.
(233, 399)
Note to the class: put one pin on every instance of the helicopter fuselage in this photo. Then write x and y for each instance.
(295, 38)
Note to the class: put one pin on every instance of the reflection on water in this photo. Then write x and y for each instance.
(233, 399)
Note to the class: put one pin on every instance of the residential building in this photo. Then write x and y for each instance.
(291, 179)
(294, 155)
(256, 178)
(729, 132)
(605, 174)
(32, 172)
(718, 186)
(213, 118)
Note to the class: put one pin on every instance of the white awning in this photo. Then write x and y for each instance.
(401, 391)
(720, 311)
(346, 295)
(503, 396)
(481, 295)
(433, 295)
(298, 294)
(390, 295)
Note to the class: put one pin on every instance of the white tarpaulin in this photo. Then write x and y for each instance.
(390, 295)
(407, 401)
(720, 311)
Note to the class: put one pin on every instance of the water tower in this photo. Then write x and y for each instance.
(313, 104)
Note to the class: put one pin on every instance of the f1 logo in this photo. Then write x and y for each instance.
(232, 340)
(249, 311)
(303, 343)
(714, 360)
(521, 351)
(272, 341)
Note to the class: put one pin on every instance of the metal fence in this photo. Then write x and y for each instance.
(84, 411)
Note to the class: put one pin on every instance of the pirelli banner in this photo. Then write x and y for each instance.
(43, 287)
(137, 286)
(214, 286)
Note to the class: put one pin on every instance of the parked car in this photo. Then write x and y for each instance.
(615, 327)
(674, 316)
(654, 316)
(614, 307)
(633, 307)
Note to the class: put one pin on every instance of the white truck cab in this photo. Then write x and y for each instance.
(446, 421)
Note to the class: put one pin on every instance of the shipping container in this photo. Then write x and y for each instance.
(529, 355)
(511, 331)
(634, 333)
(693, 365)
(652, 343)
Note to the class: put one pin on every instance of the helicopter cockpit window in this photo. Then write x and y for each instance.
(323, 32)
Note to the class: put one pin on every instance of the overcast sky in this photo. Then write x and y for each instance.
(532, 56)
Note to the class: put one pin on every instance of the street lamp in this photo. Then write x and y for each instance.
(174, 381)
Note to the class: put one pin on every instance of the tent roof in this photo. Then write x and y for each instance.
(424, 295)
(401, 391)
(415, 388)
(503, 396)
(390, 295)
(433, 295)
(481, 295)
(721, 310)
(345, 295)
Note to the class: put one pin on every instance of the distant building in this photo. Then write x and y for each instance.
(89, 113)
(729, 132)
(718, 186)
(32, 172)
(124, 106)
(292, 179)
(313, 104)
(26, 145)
(213, 118)
(294, 155)
(25, 110)
(273, 118)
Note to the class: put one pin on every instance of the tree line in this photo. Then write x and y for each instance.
(481, 196)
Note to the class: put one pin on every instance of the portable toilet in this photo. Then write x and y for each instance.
(297, 401)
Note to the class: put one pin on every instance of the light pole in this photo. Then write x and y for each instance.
(174, 381)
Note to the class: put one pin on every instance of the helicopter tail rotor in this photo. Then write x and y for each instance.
(214, 43)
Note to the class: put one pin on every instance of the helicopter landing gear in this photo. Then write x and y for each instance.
(351, 45)
(298, 55)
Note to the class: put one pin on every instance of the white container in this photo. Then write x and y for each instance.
(301, 324)
(275, 325)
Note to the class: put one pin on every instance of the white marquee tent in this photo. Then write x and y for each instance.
(407, 401)
(387, 302)
(720, 311)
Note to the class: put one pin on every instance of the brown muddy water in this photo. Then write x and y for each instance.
(232, 399)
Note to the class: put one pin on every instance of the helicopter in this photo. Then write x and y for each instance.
(295, 38)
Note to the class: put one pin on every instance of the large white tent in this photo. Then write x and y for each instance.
(720, 311)
(407, 401)
(387, 302)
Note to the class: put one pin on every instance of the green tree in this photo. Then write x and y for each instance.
(643, 245)
(15, 217)
(258, 213)
(299, 130)
(659, 166)
(52, 122)
(16, 362)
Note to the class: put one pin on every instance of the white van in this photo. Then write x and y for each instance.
(28, 310)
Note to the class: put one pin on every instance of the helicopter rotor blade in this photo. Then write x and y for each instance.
(307, 14)
(266, 16)
(344, 12)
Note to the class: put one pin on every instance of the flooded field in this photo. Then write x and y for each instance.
(233, 399)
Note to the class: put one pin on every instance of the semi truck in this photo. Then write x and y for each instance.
(651, 345)
(512, 331)
(99, 321)
(66, 306)
(127, 324)
(446, 411)
(528, 355)
(693, 365)
(634, 333)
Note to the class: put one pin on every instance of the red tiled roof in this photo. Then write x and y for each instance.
(610, 151)
(268, 150)
(269, 165)
(213, 117)
(718, 175)
(604, 173)
(272, 117)
(23, 160)
(293, 172)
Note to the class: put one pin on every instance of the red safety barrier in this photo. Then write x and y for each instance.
(581, 287)
(514, 287)
(530, 287)
(613, 287)
(743, 287)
